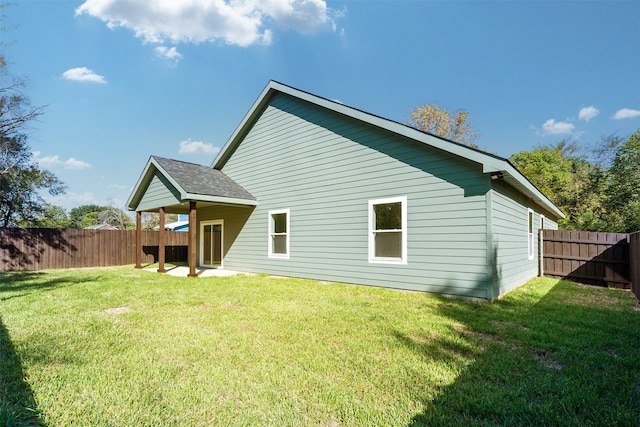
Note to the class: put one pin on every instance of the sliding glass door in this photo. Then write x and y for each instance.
(211, 244)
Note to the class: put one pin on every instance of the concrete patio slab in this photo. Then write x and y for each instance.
(183, 271)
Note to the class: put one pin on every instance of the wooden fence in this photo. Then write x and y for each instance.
(634, 262)
(588, 257)
(45, 248)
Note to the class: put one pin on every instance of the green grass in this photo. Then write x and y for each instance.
(119, 346)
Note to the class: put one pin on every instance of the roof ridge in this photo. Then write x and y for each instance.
(180, 161)
(392, 121)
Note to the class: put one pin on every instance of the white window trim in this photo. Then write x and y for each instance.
(530, 234)
(387, 260)
(270, 233)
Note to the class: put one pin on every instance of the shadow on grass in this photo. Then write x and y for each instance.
(18, 406)
(536, 358)
(16, 284)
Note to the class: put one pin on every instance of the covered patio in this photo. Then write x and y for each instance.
(172, 186)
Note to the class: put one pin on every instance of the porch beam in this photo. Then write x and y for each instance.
(161, 242)
(138, 239)
(192, 239)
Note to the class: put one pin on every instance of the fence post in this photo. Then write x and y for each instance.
(161, 242)
(138, 239)
(541, 253)
(634, 262)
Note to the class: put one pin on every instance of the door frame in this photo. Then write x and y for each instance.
(203, 224)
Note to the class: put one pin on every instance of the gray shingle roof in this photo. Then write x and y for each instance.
(202, 180)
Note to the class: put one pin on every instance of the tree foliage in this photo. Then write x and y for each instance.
(151, 220)
(437, 120)
(622, 199)
(85, 215)
(88, 215)
(600, 192)
(52, 217)
(20, 199)
(21, 179)
(116, 217)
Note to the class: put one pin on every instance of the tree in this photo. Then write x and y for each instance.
(85, 215)
(52, 217)
(569, 180)
(21, 179)
(20, 199)
(88, 215)
(15, 113)
(439, 121)
(150, 220)
(116, 217)
(623, 185)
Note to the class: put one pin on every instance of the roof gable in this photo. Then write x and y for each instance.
(189, 181)
(490, 163)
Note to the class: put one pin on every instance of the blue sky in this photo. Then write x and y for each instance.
(124, 79)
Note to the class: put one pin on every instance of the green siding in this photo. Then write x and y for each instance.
(510, 234)
(160, 192)
(325, 168)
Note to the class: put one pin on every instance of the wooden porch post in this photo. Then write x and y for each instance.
(192, 239)
(138, 239)
(161, 243)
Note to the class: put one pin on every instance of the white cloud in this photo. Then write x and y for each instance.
(170, 54)
(588, 113)
(83, 74)
(72, 163)
(117, 186)
(237, 22)
(53, 161)
(70, 200)
(551, 127)
(626, 113)
(197, 147)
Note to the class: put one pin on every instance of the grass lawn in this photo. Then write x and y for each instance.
(124, 347)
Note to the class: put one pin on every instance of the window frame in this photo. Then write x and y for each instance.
(530, 233)
(271, 233)
(373, 259)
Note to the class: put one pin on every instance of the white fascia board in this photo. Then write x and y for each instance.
(219, 200)
(136, 188)
(170, 179)
(145, 179)
(526, 187)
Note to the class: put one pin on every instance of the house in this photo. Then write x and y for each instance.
(309, 187)
(181, 225)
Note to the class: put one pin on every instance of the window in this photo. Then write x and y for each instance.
(388, 230)
(279, 233)
(530, 233)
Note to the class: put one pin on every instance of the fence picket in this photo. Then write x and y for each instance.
(46, 248)
(590, 257)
